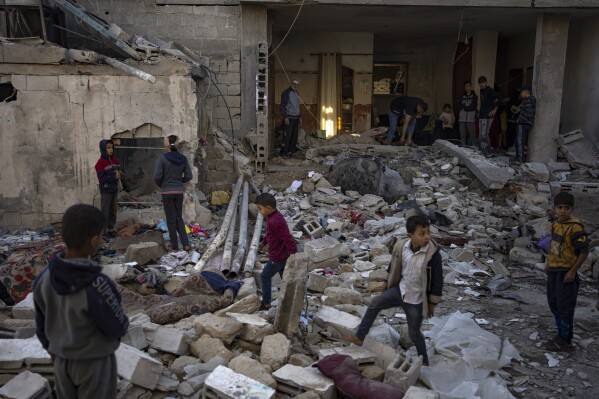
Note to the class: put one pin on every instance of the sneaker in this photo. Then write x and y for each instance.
(354, 340)
(559, 344)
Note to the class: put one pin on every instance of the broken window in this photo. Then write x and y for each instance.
(8, 92)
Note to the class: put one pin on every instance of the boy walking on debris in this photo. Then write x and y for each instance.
(281, 244)
(569, 249)
(526, 118)
(109, 174)
(415, 283)
(78, 314)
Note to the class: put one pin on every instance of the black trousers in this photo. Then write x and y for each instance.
(562, 301)
(173, 209)
(290, 139)
(108, 206)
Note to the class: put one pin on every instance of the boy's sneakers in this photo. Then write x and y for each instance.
(559, 344)
(354, 340)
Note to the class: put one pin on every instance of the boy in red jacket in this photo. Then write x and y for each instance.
(109, 174)
(281, 244)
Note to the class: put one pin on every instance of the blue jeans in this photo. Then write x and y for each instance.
(270, 269)
(393, 121)
(484, 142)
(521, 140)
(562, 301)
(391, 299)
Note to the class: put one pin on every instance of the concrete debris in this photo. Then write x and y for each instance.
(294, 380)
(253, 369)
(144, 253)
(170, 340)
(275, 351)
(207, 347)
(24, 309)
(578, 150)
(27, 385)
(223, 328)
(226, 383)
(138, 367)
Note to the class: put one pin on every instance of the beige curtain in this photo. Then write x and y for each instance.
(329, 87)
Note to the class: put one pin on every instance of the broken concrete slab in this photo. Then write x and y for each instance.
(223, 328)
(226, 383)
(24, 309)
(490, 175)
(136, 338)
(525, 256)
(207, 347)
(253, 369)
(122, 243)
(170, 340)
(339, 295)
(27, 385)
(254, 328)
(322, 249)
(421, 393)
(137, 367)
(359, 354)
(343, 322)
(275, 351)
(537, 170)
(177, 367)
(248, 288)
(291, 297)
(317, 282)
(144, 253)
(294, 380)
(248, 305)
(14, 353)
(578, 150)
(166, 384)
(194, 370)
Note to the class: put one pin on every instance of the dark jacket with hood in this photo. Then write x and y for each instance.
(106, 168)
(527, 111)
(78, 311)
(172, 170)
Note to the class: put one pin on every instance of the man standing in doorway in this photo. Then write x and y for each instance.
(489, 102)
(409, 108)
(290, 108)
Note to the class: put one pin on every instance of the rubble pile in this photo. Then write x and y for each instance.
(346, 223)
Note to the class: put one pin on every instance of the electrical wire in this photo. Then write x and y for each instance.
(291, 27)
(457, 43)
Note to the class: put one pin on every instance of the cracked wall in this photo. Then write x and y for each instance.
(50, 135)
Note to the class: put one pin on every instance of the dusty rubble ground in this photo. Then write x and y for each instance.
(491, 268)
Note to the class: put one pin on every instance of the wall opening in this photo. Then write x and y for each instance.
(8, 92)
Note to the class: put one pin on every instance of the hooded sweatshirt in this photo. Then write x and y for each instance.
(106, 168)
(172, 170)
(527, 111)
(78, 311)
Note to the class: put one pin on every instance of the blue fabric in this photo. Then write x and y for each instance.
(219, 283)
(393, 121)
(521, 140)
(270, 269)
(175, 157)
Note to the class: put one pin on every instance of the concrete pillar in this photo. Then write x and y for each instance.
(548, 81)
(484, 56)
(253, 30)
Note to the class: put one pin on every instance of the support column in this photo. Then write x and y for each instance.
(253, 30)
(548, 81)
(484, 56)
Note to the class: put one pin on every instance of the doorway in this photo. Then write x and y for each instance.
(462, 71)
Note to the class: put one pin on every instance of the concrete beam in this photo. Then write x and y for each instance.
(548, 82)
(446, 3)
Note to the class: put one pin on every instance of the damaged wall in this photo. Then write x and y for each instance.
(581, 80)
(50, 134)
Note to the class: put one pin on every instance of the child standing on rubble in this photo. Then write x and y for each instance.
(78, 314)
(526, 119)
(415, 283)
(109, 174)
(171, 172)
(568, 251)
(280, 242)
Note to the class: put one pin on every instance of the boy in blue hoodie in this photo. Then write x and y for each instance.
(109, 174)
(78, 314)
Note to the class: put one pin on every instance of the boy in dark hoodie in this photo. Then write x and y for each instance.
(415, 283)
(525, 121)
(109, 174)
(78, 314)
(171, 172)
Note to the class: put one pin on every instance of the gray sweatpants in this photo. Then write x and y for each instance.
(88, 378)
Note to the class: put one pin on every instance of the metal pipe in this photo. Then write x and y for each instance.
(224, 228)
(255, 188)
(248, 268)
(129, 69)
(243, 234)
(228, 252)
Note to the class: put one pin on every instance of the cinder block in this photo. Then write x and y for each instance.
(137, 367)
(225, 383)
(317, 282)
(421, 393)
(313, 228)
(294, 380)
(361, 356)
(322, 249)
(401, 373)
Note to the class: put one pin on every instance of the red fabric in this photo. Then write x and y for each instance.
(281, 244)
(349, 381)
(104, 164)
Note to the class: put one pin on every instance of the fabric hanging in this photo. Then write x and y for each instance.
(329, 92)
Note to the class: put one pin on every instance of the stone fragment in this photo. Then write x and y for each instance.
(137, 367)
(421, 393)
(170, 340)
(308, 395)
(378, 249)
(249, 304)
(373, 372)
(26, 385)
(525, 256)
(194, 370)
(332, 264)
(338, 295)
(179, 364)
(114, 270)
(359, 354)
(166, 384)
(308, 186)
(317, 282)
(343, 322)
(382, 261)
(299, 359)
(370, 202)
(136, 338)
(254, 328)
(225, 383)
(364, 266)
(383, 226)
(294, 380)
(198, 382)
(223, 328)
(207, 347)
(185, 389)
(322, 249)
(378, 275)
(24, 309)
(14, 353)
(291, 296)
(248, 288)
(376, 286)
(323, 183)
(253, 369)
(403, 374)
(462, 255)
(144, 253)
(275, 351)
(305, 204)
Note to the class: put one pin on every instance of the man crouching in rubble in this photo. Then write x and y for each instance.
(78, 314)
(415, 283)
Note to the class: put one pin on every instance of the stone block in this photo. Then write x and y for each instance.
(248, 304)
(385, 354)
(401, 373)
(317, 282)
(462, 255)
(322, 249)
(362, 255)
(299, 359)
(144, 253)
(136, 338)
(421, 393)
(24, 309)
(223, 328)
(378, 275)
(343, 322)
(114, 270)
(378, 249)
(253, 369)
(248, 288)
(137, 367)
(524, 256)
(382, 260)
(14, 353)
(332, 264)
(373, 372)
(359, 354)
(376, 286)
(26, 385)
(370, 202)
(383, 226)
(207, 347)
(42, 83)
(537, 170)
(179, 364)
(226, 383)
(275, 351)
(313, 228)
(294, 380)
(364, 266)
(194, 370)
(170, 340)
(338, 295)
(166, 384)
(291, 297)
(254, 328)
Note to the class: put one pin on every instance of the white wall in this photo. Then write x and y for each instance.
(484, 55)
